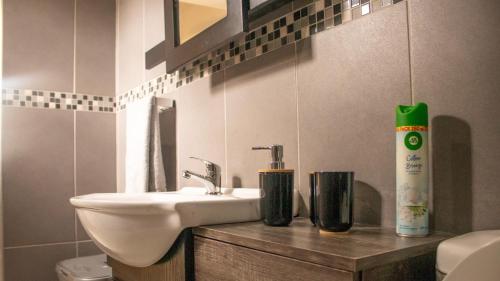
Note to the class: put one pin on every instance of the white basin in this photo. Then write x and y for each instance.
(138, 229)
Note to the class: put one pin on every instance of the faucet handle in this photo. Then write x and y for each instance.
(210, 166)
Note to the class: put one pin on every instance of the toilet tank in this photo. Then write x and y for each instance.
(472, 254)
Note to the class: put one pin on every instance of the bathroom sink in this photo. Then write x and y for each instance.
(138, 229)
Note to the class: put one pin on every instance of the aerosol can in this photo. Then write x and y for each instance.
(412, 171)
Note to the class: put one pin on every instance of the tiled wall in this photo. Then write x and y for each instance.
(58, 136)
(330, 100)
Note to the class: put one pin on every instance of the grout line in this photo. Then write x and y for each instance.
(74, 46)
(296, 70)
(143, 56)
(118, 140)
(74, 122)
(412, 94)
(225, 128)
(117, 49)
(39, 245)
(74, 178)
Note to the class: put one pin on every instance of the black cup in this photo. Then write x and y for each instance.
(331, 200)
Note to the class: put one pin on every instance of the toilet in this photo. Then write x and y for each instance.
(91, 268)
(472, 256)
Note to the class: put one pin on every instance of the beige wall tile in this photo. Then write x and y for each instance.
(36, 263)
(121, 148)
(95, 47)
(37, 176)
(200, 131)
(38, 44)
(261, 109)
(455, 58)
(131, 56)
(350, 80)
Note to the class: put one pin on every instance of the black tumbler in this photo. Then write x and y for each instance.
(331, 200)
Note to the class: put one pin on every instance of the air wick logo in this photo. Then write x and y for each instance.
(413, 141)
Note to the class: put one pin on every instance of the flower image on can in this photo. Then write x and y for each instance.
(412, 171)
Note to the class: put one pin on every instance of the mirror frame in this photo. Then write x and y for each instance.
(234, 24)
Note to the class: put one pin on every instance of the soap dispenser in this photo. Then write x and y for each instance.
(276, 185)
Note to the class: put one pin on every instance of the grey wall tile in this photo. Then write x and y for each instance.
(38, 44)
(36, 263)
(131, 57)
(95, 155)
(95, 152)
(37, 174)
(88, 249)
(95, 47)
(261, 109)
(350, 79)
(455, 58)
(200, 121)
(154, 23)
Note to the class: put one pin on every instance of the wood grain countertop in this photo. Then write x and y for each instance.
(363, 247)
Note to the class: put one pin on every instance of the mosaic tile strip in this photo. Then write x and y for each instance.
(299, 24)
(57, 100)
(155, 87)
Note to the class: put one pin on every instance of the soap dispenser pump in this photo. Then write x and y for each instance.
(276, 185)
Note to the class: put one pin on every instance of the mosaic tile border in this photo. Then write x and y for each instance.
(57, 100)
(299, 24)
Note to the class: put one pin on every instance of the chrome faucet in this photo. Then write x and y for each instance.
(212, 178)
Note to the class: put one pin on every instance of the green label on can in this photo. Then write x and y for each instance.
(413, 140)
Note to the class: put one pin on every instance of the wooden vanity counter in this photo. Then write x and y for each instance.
(253, 251)
(364, 253)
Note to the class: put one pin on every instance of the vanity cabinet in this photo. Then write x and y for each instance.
(254, 252)
(220, 261)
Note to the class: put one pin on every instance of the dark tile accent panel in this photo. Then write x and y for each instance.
(283, 10)
(95, 155)
(455, 70)
(200, 126)
(261, 110)
(168, 130)
(88, 249)
(37, 174)
(347, 95)
(95, 47)
(38, 44)
(154, 28)
(37, 262)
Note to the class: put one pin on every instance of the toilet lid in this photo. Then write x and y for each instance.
(452, 251)
(86, 268)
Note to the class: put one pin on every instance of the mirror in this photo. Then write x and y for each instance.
(195, 16)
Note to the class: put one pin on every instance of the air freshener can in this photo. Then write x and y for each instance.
(412, 171)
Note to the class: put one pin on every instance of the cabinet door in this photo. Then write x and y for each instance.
(193, 27)
(219, 261)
